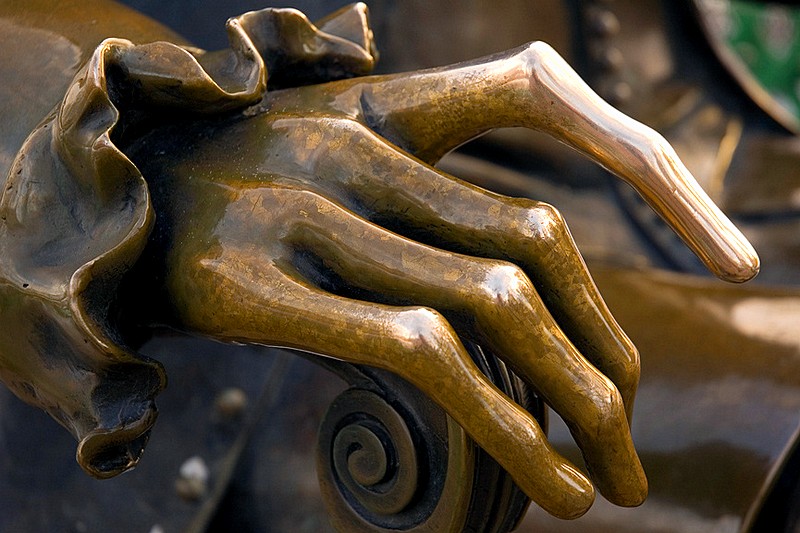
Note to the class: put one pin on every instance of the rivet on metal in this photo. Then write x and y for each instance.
(192, 482)
(231, 403)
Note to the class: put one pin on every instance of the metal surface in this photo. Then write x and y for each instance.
(390, 460)
(43, 489)
(718, 406)
(287, 218)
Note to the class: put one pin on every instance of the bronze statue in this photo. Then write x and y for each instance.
(170, 187)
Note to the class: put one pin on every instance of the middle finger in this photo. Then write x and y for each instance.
(401, 193)
(494, 302)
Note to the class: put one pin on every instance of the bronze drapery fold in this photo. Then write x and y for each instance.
(76, 213)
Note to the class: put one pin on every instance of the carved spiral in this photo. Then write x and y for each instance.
(373, 454)
(390, 460)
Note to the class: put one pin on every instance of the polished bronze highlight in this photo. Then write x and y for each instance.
(171, 187)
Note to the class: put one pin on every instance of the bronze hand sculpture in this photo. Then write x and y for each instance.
(171, 187)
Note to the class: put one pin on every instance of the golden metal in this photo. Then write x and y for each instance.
(170, 187)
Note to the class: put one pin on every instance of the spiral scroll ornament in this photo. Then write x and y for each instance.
(390, 460)
(374, 457)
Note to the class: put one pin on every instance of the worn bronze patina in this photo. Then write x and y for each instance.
(170, 187)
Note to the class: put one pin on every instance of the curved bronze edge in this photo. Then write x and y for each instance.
(457, 506)
(105, 453)
(774, 474)
(751, 87)
(75, 212)
(449, 509)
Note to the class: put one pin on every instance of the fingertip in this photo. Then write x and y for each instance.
(634, 496)
(569, 496)
(581, 496)
(746, 266)
(726, 251)
(628, 489)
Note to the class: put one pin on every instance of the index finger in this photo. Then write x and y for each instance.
(571, 112)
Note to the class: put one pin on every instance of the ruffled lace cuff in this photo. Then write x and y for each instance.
(75, 213)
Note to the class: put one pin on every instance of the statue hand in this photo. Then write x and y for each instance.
(314, 220)
(328, 238)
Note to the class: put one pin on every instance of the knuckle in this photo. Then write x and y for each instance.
(318, 131)
(536, 54)
(421, 327)
(346, 125)
(504, 283)
(626, 366)
(632, 364)
(547, 214)
(303, 204)
(540, 48)
(654, 154)
(608, 408)
(547, 222)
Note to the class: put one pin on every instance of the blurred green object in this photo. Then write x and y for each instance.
(760, 43)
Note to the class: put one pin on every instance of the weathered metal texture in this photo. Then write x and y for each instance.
(388, 459)
(169, 187)
(718, 408)
(43, 489)
(701, 121)
(76, 212)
